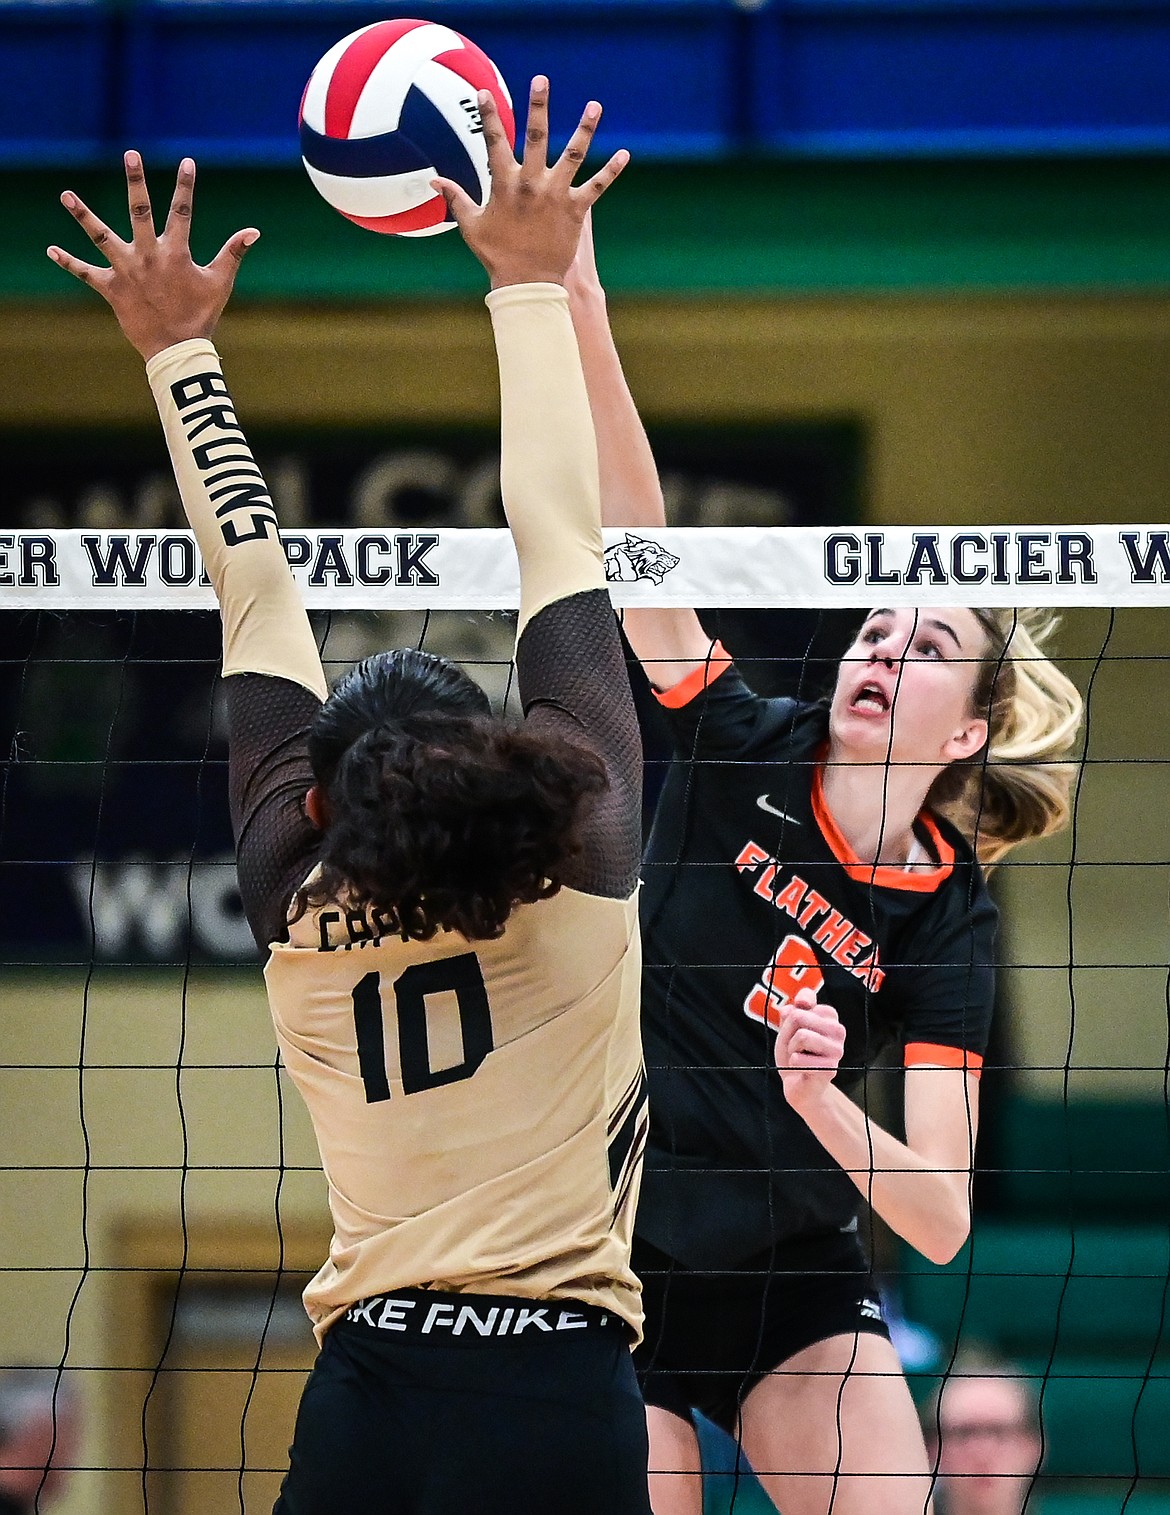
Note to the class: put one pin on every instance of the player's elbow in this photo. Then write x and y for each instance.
(950, 1226)
(945, 1248)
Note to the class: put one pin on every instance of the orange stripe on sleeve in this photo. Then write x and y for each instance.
(716, 662)
(918, 1053)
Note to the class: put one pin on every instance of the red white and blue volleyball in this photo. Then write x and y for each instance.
(391, 107)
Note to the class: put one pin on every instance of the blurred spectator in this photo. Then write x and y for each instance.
(39, 1434)
(983, 1433)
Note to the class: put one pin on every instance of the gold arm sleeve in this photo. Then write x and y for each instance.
(265, 628)
(548, 451)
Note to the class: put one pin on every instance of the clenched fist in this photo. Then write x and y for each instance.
(809, 1047)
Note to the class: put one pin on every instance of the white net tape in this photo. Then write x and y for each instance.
(1063, 566)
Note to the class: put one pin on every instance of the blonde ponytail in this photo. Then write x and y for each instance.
(1019, 788)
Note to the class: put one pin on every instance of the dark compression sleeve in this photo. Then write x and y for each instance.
(268, 778)
(573, 681)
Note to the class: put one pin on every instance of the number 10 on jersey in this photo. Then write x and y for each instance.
(793, 967)
(459, 976)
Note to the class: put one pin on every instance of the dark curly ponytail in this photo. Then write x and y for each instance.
(390, 686)
(440, 816)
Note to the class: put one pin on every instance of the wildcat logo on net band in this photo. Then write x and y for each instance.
(638, 558)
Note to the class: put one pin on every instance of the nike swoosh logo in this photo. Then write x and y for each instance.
(762, 802)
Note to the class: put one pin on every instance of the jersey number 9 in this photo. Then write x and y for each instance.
(794, 967)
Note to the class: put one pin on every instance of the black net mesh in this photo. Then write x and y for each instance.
(162, 1200)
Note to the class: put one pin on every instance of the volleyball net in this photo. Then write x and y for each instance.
(162, 1200)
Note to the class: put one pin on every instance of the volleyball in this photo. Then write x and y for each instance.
(391, 107)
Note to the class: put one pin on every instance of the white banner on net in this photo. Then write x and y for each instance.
(733, 567)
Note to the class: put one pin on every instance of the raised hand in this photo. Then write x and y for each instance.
(808, 1049)
(529, 230)
(159, 294)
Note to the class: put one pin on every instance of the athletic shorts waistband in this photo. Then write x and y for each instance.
(430, 1316)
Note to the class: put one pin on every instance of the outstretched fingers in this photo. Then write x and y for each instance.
(535, 158)
(460, 203)
(86, 272)
(178, 227)
(228, 259)
(579, 143)
(593, 189)
(495, 138)
(94, 228)
(138, 196)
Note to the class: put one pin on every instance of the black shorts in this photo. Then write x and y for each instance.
(711, 1337)
(410, 1410)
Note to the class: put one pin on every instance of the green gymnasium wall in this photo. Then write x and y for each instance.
(748, 228)
(1000, 333)
(1000, 330)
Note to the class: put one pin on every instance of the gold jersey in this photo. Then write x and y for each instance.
(480, 1108)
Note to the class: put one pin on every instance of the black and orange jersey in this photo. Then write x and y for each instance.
(750, 894)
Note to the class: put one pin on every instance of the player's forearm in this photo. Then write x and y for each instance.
(265, 628)
(548, 452)
(631, 494)
(926, 1205)
(669, 642)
